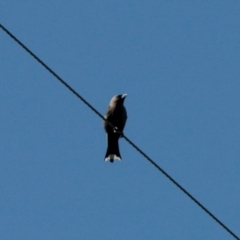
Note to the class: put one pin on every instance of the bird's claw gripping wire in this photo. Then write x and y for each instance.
(115, 130)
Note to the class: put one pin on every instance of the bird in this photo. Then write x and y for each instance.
(117, 115)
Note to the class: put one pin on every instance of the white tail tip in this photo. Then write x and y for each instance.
(112, 157)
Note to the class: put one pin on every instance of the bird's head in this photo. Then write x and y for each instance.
(118, 99)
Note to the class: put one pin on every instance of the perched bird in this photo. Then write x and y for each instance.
(117, 115)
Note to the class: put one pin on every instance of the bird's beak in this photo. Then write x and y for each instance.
(124, 95)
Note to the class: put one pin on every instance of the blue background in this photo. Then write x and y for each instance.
(178, 61)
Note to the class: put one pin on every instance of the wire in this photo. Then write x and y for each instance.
(126, 138)
(182, 188)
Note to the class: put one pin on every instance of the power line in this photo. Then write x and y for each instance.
(126, 138)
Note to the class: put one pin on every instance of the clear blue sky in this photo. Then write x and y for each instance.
(178, 61)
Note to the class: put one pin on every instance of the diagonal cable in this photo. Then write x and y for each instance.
(126, 138)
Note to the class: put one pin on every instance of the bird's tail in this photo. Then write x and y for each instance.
(112, 149)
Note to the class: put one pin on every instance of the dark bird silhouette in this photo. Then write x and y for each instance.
(117, 115)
